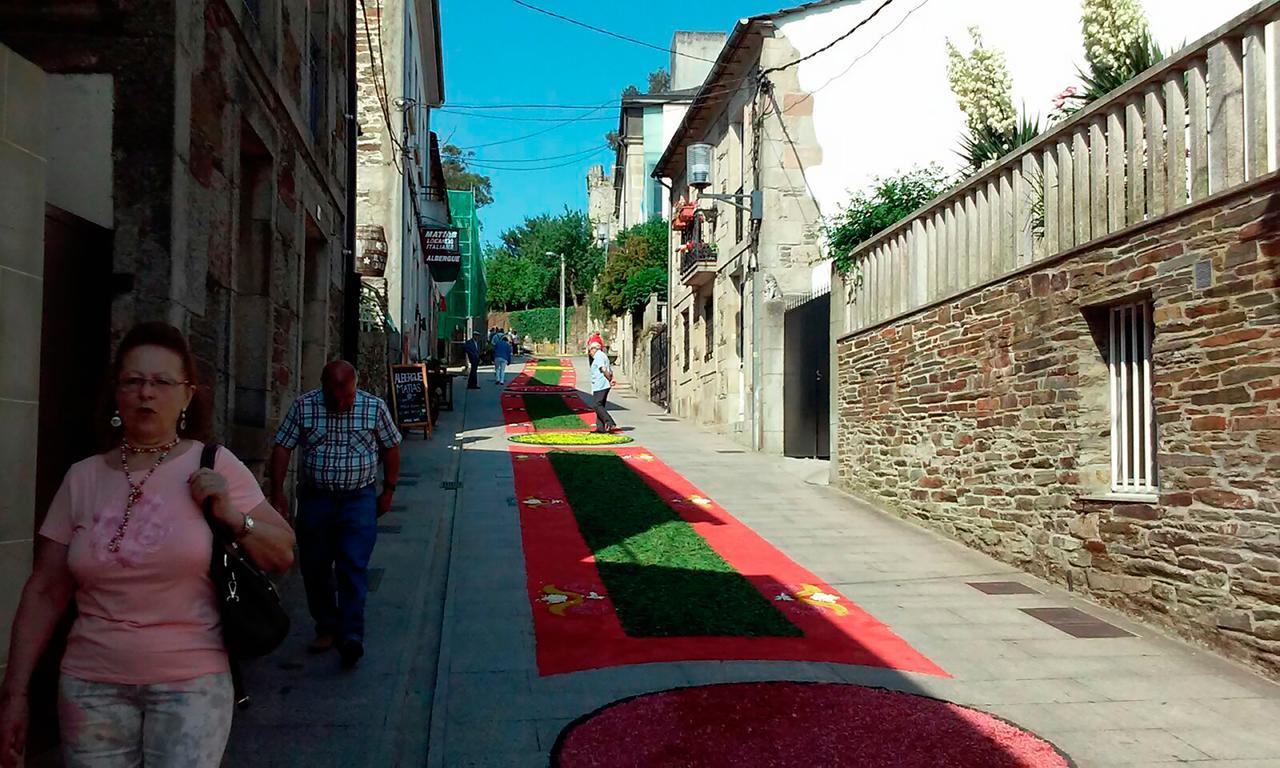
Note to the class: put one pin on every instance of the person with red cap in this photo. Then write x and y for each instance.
(601, 382)
(595, 338)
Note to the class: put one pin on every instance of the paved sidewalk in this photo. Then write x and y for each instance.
(308, 711)
(1145, 700)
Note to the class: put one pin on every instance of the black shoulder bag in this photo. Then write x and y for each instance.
(254, 621)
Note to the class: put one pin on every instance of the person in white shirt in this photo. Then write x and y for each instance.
(601, 382)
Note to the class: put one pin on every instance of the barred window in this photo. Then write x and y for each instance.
(1133, 425)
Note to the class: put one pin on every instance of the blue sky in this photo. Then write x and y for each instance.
(496, 52)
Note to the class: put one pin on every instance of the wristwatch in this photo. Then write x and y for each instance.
(247, 528)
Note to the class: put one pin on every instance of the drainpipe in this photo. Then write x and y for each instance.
(757, 364)
(351, 296)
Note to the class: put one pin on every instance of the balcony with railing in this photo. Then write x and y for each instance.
(698, 263)
(1199, 124)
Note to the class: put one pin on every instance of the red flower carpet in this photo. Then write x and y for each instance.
(796, 725)
(576, 623)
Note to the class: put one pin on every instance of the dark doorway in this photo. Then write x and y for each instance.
(75, 358)
(806, 381)
(75, 345)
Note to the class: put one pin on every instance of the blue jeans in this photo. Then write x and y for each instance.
(336, 532)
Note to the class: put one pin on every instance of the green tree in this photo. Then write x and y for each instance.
(643, 247)
(870, 212)
(630, 92)
(613, 140)
(643, 284)
(659, 81)
(568, 233)
(513, 282)
(458, 175)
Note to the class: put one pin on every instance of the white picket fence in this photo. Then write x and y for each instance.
(1199, 123)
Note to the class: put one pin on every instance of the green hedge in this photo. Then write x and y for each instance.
(540, 324)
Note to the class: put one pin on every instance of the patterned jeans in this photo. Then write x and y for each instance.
(166, 725)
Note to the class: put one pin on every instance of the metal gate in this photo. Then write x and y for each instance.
(660, 365)
(806, 380)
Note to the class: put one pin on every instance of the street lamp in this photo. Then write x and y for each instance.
(561, 255)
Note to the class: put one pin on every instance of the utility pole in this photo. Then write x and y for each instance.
(561, 255)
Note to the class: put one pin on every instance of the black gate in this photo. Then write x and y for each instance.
(806, 381)
(660, 365)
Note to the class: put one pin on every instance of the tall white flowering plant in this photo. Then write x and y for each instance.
(1112, 28)
(982, 86)
(1117, 47)
(984, 91)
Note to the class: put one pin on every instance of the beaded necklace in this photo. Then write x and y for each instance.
(135, 489)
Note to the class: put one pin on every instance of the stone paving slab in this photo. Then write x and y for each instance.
(1146, 700)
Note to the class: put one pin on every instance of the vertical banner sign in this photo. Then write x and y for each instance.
(409, 396)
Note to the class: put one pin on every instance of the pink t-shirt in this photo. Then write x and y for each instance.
(148, 613)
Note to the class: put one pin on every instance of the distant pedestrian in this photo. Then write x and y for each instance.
(343, 431)
(145, 678)
(501, 358)
(472, 348)
(601, 382)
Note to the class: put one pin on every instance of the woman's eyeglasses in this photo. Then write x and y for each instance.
(161, 384)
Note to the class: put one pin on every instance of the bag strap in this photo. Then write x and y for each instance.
(207, 456)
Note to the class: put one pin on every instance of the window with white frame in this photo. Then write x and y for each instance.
(1133, 423)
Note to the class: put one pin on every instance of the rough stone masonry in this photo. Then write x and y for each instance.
(987, 417)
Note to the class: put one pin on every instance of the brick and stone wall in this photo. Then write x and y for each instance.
(987, 418)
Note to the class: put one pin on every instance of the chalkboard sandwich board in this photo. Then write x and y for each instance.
(409, 399)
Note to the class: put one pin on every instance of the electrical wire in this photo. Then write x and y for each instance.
(537, 168)
(829, 45)
(590, 150)
(517, 119)
(599, 30)
(558, 125)
(378, 69)
(859, 58)
(522, 106)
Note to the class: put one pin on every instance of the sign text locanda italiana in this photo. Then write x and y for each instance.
(440, 244)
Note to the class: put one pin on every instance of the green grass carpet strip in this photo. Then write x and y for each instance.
(547, 376)
(664, 579)
(551, 412)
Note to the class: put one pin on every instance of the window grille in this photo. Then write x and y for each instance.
(709, 323)
(688, 320)
(1133, 426)
(318, 87)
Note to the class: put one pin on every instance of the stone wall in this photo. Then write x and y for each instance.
(228, 188)
(987, 418)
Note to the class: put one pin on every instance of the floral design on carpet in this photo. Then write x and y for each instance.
(569, 439)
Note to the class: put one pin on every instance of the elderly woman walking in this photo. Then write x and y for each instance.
(145, 678)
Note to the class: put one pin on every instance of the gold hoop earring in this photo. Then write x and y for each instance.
(116, 421)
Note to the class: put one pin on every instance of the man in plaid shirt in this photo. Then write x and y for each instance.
(343, 432)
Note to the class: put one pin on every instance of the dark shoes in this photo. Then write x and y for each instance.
(350, 652)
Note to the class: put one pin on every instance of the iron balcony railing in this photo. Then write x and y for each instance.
(693, 258)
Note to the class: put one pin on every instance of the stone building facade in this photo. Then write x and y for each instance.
(727, 309)
(195, 171)
(400, 186)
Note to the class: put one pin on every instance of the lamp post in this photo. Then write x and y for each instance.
(561, 255)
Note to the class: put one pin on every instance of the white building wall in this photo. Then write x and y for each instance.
(884, 106)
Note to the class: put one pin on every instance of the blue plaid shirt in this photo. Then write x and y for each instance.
(340, 451)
